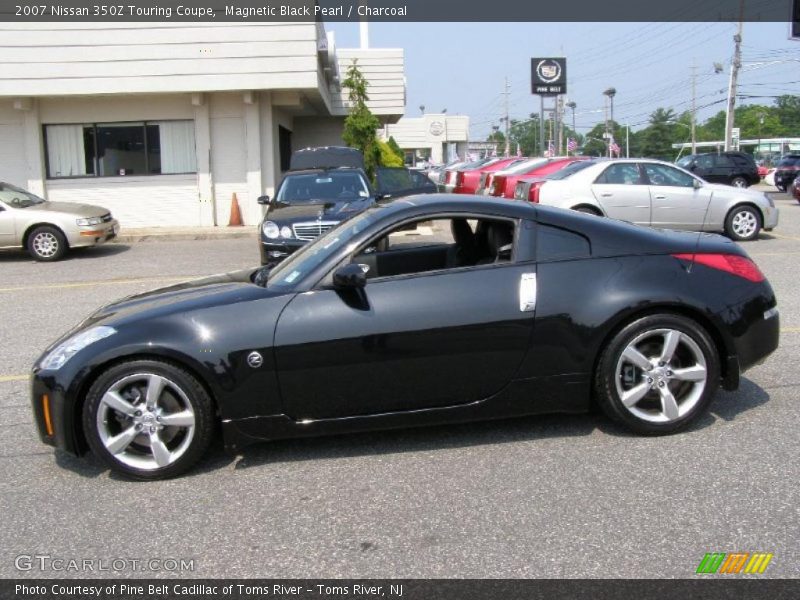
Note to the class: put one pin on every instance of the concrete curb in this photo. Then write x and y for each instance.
(132, 236)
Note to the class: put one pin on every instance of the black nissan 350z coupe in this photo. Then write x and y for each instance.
(506, 309)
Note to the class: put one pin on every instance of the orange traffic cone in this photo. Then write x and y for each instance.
(236, 213)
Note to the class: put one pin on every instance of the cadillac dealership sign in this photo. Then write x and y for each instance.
(549, 76)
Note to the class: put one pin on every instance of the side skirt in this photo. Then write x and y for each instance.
(540, 395)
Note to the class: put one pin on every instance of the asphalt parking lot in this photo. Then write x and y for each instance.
(554, 496)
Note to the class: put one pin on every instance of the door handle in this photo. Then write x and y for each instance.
(660, 197)
(606, 195)
(527, 292)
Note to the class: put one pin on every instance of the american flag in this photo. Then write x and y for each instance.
(519, 150)
(572, 144)
(551, 148)
(614, 147)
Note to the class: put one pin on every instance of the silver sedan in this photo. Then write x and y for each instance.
(654, 193)
(49, 229)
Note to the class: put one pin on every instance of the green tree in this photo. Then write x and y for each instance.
(388, 157)
(361, 125)
(396, 149)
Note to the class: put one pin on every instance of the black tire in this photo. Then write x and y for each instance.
(47, 243)
(608, 375)
(189, 446)
(588, 211)
(743, 223)
(740, 182)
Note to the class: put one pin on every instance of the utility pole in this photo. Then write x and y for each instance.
(735, 65)
(560, 110)
(694, 106)
(508, 142)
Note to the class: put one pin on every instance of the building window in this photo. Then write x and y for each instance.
(120, 149)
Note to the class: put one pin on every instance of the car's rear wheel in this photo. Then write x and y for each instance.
(739, 182)
(658, 374)
(148, 419)
(743, 223)
(47, 243)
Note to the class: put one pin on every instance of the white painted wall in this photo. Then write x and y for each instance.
(12, 145)
(385, 71)
(156, 200)
(317, 131)
(228, 156)
(120, 58)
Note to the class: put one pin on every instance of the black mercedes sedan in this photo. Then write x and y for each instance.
(502, 309)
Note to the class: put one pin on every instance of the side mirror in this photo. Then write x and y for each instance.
(381, 196)
(696, 184)
(352, 276)
(263, 200)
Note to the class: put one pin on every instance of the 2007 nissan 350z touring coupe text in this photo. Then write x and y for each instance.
(523, 309)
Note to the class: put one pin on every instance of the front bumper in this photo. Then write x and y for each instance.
(53, 415)
(275, 251)
(771, 215)
(92, 235)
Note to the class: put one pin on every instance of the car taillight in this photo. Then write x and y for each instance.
(497, 186)
(459, 178)
(533, 192)
(730, 263)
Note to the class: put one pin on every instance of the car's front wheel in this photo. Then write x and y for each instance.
(47, 243)
(743, 223)
(658, 374)
(148, 419)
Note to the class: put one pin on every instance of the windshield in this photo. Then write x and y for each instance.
(333, 186)
(17, 197)
(307, 258)
(789, 161)
(570, 169)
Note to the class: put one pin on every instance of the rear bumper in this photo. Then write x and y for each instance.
(771, 216)
(760, 339)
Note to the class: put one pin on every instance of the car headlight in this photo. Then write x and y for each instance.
(90, 221)
(59, 355)
(271, 230)
(286, 232)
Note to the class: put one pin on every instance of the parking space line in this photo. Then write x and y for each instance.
(784, 237)
(56, 286)
(9, 378)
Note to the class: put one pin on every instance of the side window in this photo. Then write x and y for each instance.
(393, 180)
(438, 244)
(621, 174)
(554, 243)
(705, 161)
(723, 161)
(419, 179)
(663, 175)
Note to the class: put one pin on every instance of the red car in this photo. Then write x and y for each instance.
(467, 181)
(503, 184)
(794, 188)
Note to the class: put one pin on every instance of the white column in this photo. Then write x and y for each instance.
(252, 134)
(34, 146)
(202, 140)
(268, 133)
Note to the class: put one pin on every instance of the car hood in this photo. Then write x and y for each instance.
(720, 189)
(71, 208)
(215, 290)
(323, 211)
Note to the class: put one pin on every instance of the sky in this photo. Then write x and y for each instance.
(462, 66)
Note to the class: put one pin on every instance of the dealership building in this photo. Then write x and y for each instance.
(435, 137)
(162, 123)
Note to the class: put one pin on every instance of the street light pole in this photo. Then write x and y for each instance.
(572, 106)
(610, 93)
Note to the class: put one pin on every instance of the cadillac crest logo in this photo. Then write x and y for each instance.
(549, 76)
(436, 128)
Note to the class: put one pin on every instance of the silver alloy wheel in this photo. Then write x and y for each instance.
(661, 375)
(744, 223)
(739, 182)
(145, 421)
(45, 244)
